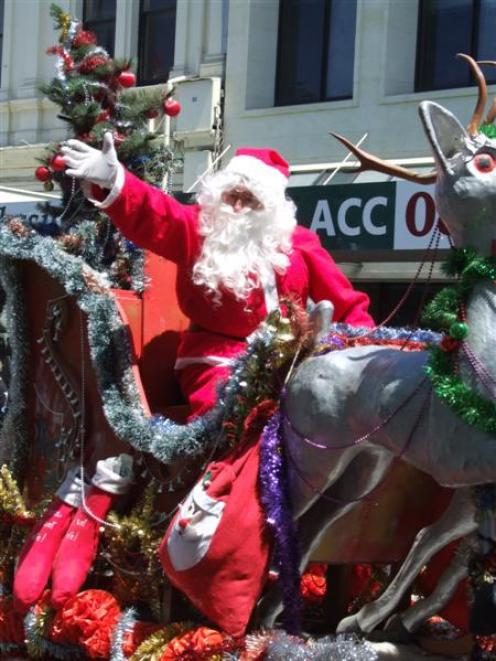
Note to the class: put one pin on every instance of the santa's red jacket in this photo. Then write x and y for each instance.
(161, 224)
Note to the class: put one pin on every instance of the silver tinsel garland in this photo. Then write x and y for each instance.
(330, 648)
(126, 623)
(13, 435)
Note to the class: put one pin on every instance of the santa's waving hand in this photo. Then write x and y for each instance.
(92, 165)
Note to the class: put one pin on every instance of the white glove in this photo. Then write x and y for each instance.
(90, 164)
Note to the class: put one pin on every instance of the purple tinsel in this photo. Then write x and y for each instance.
(276, 502)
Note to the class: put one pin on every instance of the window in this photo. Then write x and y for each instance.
(2, 7)
(156, 47)
(448, 27)
(316, 51)
(99, 17)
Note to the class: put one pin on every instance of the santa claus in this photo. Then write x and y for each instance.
(238, 252)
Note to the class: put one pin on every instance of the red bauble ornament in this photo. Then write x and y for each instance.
(103, 116)
(119, 139)
(172, 107)
(42, 173)
(449, 344)
(151, 113)
(127, 79)
(57, 163)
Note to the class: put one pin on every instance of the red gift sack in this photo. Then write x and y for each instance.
(216, 549)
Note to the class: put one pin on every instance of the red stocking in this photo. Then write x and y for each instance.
(79, 546)
(38, 552)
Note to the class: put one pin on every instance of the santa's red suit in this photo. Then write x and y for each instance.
(159, 223)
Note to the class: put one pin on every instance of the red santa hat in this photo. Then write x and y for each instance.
(263, 166)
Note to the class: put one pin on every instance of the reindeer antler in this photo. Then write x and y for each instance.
(370, 162)
(491, 115)
(476, 121)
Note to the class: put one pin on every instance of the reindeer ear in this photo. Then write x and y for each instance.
(445, 133)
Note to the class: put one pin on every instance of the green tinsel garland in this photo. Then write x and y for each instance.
(440, 314)
(467, 404)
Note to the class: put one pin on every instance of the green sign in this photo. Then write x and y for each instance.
(391, 215)
(348, 217)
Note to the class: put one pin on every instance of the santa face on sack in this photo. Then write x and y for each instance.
(246, 224)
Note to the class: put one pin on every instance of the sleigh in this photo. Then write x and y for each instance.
(59, 409)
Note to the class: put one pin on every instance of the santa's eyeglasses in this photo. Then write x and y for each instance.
(241, 198)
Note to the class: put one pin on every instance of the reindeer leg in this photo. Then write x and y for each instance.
(445, 588)
(358, 477)
(457, 521)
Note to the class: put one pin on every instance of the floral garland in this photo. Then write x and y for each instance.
(443, 314)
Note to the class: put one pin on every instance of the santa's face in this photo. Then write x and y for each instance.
(246, 231)
(240, 198)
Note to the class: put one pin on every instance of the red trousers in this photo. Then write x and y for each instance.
(199, 384)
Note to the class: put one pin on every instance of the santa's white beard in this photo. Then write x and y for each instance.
(242, 250)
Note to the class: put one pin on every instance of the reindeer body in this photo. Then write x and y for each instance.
(349, 413)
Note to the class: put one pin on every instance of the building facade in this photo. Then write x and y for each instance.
(279, 73)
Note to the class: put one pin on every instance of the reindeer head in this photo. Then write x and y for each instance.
(465, 173)
(466, 178)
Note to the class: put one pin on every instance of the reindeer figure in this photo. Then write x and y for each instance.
(349, 413)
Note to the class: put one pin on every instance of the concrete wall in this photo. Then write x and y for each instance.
(383, 103)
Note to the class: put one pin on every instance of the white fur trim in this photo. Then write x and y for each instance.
(115, 190)
(270, 293)
(114, 474)
(258, 171)
(70, 491)
(221, 361)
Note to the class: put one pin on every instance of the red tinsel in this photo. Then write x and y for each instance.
(140, 632)
(87, 620)
(61, 52)
(17, 519)
(199, 643)
(486, 643)
(89, 64)
(11, 623)
(313, 585)
(365, 341)
(84, 38)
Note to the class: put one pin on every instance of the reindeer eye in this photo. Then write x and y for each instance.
(484, 162)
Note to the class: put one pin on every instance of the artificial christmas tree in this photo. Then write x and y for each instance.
(92, 91)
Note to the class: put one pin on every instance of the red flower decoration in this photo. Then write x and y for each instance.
(11, 623)
(199, 643)
(87, 620)
(84, 38)
(313, 585)
(91, 63)
(140, 632)
(487, 643)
